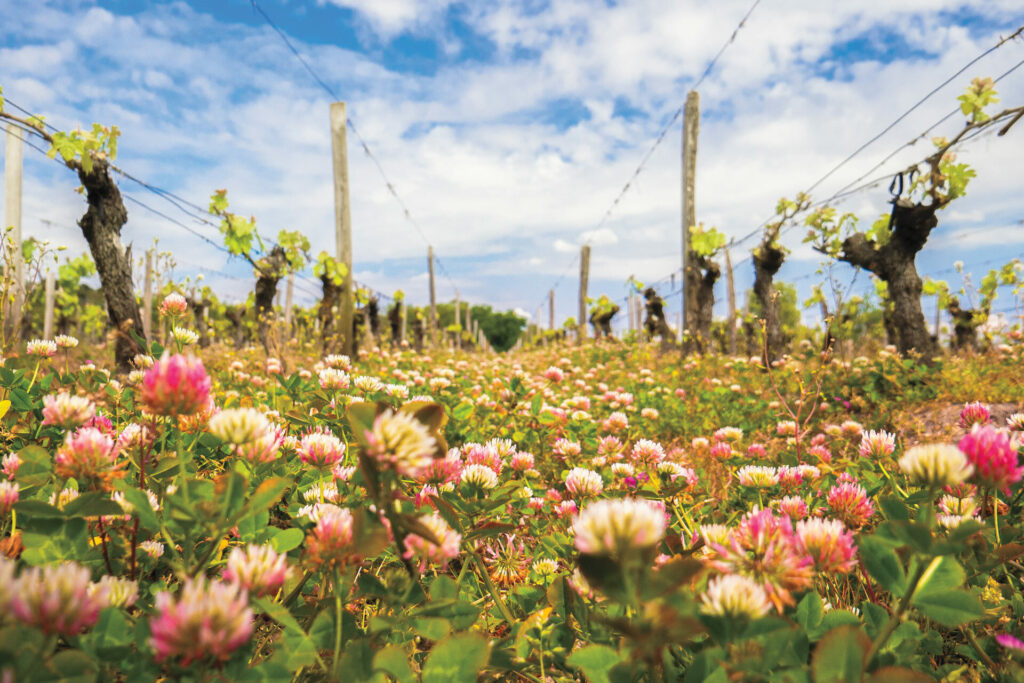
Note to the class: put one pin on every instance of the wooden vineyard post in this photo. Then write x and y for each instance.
(938, 322)
(433, 296)
(289, 297)
(536, 325)
(469, 320)
(403, 324)
(551, 310)
(147, 298)
(458, 321)
(12, 218)
(581, 322)
(732, 303)
(691, 118)
(342, 222)
(51, 293)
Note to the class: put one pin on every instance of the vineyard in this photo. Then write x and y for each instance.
(202, 486)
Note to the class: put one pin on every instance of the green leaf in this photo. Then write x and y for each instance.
(595, 661)
(461, 412)
(287, 539)
(279, 613)
(897, 674)
(73, 665)
(268, 493)
(951, 608)
(883, 565)
(809, 613)
(38, 509)
(393, 661)
(142, 507)
(840, 656)
(456, 659)
(943, 573)
(92, 504)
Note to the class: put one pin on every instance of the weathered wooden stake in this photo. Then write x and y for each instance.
(12, 218)
(581, 322)
(403, 325)
(433, 294)
(342, 221)
(458, 321)
(289, 298)
(147, 298)
(732, 303)
(51, 293)
(691, 119)
(551, 309)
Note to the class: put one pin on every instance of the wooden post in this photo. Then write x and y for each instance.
(938, 321)
(629, 312)
(12, 218)
(458, 321)
(289, 297)
(403, 326)
(536, 324)
(581, 322)
(732, 303)
(147, 298)
(469, 318)
(433, 295)
(691, 119)
(51, 292)
(551, 309)
(342, 221)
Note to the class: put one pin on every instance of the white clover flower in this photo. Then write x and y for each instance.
(735, 595)
(618, 526)
(185, 336)
(320, 492)
(401, 442)
(333, 378)
(936, 465)
(239, 425)
(758, 476)
(583, 482)
(367, 383)
(43, 348)
(479, 476)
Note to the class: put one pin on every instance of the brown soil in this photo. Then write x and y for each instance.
(940, 422)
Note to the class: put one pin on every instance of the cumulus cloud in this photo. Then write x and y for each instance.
(503, 182)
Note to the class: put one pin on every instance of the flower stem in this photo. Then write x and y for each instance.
(894, 620)
(995, 514)
(491, 588)
(339, 606)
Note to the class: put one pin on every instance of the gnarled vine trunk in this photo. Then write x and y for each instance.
(325, 312)
(965, 326)
(602, 322)
(894, 263)
(101, 225)
(270, 269)
(199, 309)
(768, 260)
(654, 320)
(701, 277)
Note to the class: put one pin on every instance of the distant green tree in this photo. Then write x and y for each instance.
(502, 329)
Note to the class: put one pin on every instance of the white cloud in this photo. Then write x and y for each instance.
(500, 193)
(390, 17)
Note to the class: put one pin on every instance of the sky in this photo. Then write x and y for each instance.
(508, 127)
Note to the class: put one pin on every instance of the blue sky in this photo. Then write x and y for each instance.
(508, 127)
